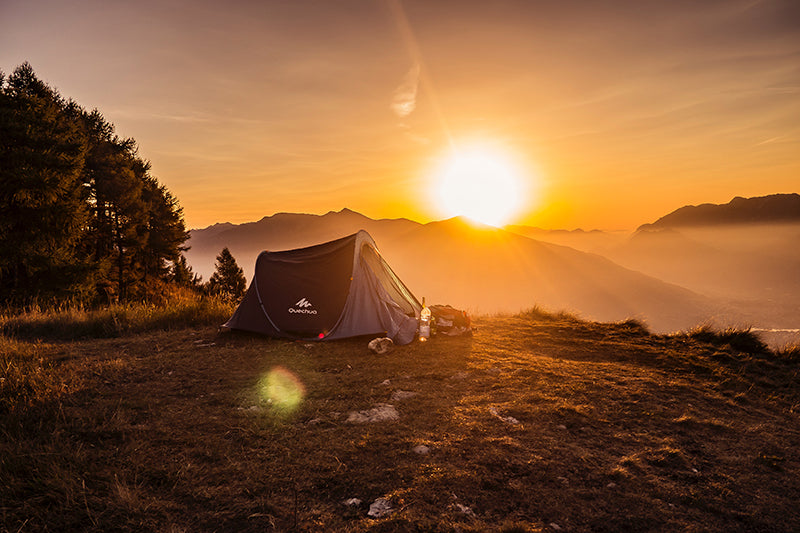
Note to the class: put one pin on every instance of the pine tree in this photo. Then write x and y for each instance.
(43, 208)
(183, 275)
(80, 215)
(228, 279)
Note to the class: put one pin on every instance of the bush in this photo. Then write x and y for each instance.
(742, 340)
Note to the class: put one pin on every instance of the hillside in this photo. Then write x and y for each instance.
(536, 423)
(771, 209)
(491, 270)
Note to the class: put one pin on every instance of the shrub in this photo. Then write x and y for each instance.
(742, 340)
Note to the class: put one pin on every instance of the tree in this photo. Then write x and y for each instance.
(228, 280)
(183, 275)
(43, 208)
(80, 215)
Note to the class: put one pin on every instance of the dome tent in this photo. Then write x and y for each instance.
(338, 289)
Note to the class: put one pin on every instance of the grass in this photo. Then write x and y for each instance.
(741, 339)
(184, 309)
(539, 421)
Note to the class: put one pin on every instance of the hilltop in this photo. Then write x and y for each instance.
(771, 209)
(536, 423)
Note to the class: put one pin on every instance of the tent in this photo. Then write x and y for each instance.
(342, 288)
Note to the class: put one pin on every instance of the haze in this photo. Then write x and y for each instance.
(616, 110)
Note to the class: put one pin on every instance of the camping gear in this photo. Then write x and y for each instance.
(342, 288)
(450, 321)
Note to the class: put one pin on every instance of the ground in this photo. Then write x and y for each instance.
(535, 423)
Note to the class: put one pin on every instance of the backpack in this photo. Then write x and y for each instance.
(448, 320)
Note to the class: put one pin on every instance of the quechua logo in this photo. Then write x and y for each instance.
(303, 306)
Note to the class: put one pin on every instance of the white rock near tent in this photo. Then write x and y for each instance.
(381, 345)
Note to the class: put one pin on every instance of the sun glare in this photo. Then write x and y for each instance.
(481, 183)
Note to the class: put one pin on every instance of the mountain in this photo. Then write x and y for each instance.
(490, 270)
(282, 231)
(592, 241)
(746, 253)
(775, 208)
(479, 268)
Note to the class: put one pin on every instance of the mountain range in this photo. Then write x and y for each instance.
(738, 267)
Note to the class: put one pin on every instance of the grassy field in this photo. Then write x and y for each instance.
(537, 422)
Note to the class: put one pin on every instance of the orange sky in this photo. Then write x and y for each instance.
(618, 111)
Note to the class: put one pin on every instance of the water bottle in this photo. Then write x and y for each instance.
(424, 322)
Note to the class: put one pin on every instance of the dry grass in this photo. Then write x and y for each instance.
(183, 308)
(537, 422)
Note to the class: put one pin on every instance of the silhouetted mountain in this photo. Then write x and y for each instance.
(480, 268)
(282, 231)
(775, 208)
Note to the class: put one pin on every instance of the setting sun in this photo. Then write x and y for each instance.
(481, 183)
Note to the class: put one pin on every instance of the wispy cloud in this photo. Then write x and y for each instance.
(405, 96)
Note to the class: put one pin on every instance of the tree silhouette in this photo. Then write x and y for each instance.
(228, 280)
(81, 217)
(183, 275)
(43, 207)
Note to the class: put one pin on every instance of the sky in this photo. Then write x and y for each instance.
(614, 112)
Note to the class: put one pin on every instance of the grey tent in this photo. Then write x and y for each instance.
(342, 288)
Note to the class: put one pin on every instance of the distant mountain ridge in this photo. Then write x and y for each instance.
(774, 208)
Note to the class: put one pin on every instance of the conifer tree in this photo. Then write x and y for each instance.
(43, 208)
(228, 279)
(183, 275)
(80, 215)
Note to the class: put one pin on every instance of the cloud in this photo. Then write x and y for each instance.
(405, 96)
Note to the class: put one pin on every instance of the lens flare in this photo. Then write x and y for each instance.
(282, 390)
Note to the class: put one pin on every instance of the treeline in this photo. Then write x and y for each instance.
(81, 217)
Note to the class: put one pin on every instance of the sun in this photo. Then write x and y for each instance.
(480, 182)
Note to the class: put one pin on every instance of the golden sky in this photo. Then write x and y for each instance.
(617, 112)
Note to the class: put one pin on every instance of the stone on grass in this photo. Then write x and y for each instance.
(380, 508)
(381, 345)
(352, 502)
(382, 412)
(507, 419)
(400, 395)
(421, 449)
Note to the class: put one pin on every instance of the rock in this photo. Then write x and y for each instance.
(421, 449)
(381, 345)
(400, 395)
(554, 526)
(385, 382)
(507, 419)
(352, 502)
(380, 508)
(464, 509)
(380, 413)
(561, 426)
(611, 485)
